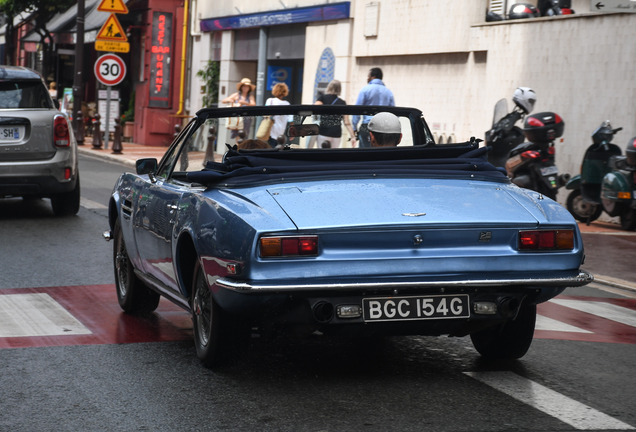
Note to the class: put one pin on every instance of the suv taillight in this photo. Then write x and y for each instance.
(61, 134)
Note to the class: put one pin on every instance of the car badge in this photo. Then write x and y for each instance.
(413, 214)
(485, 236)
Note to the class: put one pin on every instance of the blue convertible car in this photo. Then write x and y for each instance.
(413, 239)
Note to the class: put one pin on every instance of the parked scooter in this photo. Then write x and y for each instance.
(531, 165)
(606, 181)
(527, 10)
(504, 135)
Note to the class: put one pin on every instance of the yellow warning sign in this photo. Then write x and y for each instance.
(113, 6)
(122, 47)
(112, 31)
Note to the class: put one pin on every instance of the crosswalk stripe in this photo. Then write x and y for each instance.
(549, 324)
(576, 414)
(27, 315)
(604, 310)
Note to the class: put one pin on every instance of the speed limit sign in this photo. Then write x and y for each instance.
(110, 69)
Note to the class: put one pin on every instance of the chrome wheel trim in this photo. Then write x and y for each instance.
(202, 312)
(581, 207)
(121, 264)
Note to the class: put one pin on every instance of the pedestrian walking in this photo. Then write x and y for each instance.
(279, 91)
(243, 97)
(330, 125)
(374, 93)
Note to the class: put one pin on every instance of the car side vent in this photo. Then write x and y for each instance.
(126, 208)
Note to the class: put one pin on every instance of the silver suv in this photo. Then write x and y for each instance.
(38, 151)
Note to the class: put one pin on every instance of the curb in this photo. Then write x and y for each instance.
(615, 283)
(109, 157)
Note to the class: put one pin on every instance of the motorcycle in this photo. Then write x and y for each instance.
(606, 182)
(531, 165)
(504, 135)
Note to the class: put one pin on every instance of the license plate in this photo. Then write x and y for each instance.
(549, 170)
(11, 133)
(415, 308)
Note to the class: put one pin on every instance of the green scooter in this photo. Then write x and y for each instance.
(606, 181)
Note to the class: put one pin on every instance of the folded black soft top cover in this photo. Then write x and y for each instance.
(247, 167)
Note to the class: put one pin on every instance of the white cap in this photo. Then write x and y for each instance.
(385, 122)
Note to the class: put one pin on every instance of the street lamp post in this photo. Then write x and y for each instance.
(78, 81)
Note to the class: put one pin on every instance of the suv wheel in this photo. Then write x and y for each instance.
(67, 203)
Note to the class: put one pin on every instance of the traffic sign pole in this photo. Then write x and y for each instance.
(107, 121)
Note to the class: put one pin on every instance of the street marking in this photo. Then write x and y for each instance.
(23, 315)
(549, 324)
(91, 205)
(561, 407)
(90, 312)
(604, 310)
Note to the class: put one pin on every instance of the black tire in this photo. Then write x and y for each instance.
(612, 207)
(67, 203)
(219, 337)
(628, 220)
(508, 340)
(581, 210)
(133, 295)
(206, 320)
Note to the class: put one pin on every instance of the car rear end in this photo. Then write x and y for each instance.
(38, 152)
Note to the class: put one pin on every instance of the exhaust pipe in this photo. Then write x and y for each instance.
(508, 307)
(564, 179)
(323, 312)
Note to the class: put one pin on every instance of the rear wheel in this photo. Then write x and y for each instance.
(133, 295)
(206, 319)
(67, 203)
(510, 339)
(582, 210)
(218, 335)
(628, 220)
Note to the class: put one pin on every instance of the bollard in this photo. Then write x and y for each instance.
(211, 148)
(281, 140)
(177, 130)
(240, 136)
(97, 137)
(117, 147)
(80, 129)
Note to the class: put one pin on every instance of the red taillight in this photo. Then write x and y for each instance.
(634, 143)
(67, 173)
(551, 150)
(61, 134)
(533, 121)
(546, 240)
(557, 118)
(288, 246)
(530, 154)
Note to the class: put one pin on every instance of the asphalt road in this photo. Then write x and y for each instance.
(314, 384)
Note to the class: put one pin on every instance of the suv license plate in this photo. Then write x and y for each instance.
(12, 133)
(415, 308)
(549, 170)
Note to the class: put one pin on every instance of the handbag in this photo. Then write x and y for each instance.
(265, 128)
(235, 123)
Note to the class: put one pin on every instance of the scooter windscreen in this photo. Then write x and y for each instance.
(501, 109)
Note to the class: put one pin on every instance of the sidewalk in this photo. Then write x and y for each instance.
(609, 250)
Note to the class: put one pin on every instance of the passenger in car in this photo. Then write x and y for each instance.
(385, 130)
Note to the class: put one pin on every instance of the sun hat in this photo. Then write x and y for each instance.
(245, 81)
(385, 122)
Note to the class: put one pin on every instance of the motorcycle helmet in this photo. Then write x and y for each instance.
(523, 10)
(524, 98)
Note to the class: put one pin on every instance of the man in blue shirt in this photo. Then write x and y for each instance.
(374, 93)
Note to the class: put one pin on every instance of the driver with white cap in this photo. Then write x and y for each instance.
(385, 130)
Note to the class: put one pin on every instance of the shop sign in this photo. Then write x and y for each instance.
(334, 11)
(278, 74)
(160, 53)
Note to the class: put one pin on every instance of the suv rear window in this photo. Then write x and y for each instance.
(24, 94)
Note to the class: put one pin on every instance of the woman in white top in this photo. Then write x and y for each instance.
(279, 91)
